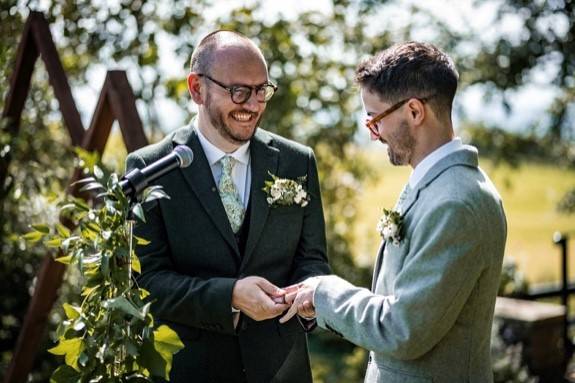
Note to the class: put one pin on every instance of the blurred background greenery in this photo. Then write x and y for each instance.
(516, 103)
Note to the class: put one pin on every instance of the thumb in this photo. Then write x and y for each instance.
(269, 288)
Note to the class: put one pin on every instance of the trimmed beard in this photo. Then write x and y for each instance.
(403, 144)
(217, 120)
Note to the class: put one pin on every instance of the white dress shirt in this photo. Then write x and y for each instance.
(431, 159)
(241, 172)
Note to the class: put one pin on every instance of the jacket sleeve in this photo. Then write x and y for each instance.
(311, 258)
(440, 271)
(178, 299)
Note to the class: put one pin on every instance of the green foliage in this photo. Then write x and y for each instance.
(110, 336)
(507, 147)
(507, 361)
(513, 282)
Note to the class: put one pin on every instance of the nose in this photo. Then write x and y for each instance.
(252, 103)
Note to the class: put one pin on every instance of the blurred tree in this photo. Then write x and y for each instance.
(544, 42)
(543, 46)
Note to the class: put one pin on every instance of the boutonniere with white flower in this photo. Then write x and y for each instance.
(389, 226)
(286, 192)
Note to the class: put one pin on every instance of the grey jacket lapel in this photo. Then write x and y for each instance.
(200, 179)
(466, 156)
(264, 159)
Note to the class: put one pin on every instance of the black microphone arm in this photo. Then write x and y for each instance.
(135, 181)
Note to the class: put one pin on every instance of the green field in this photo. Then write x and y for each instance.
(529, 194)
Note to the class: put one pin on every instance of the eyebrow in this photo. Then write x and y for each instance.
(251, 86)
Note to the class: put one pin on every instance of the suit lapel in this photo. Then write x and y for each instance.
(264, 159)
(200, 179)
(377, 267)
(466, 156)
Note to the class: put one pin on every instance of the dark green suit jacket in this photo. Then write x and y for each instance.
(193, 261)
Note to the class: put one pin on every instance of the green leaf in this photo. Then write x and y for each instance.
(152, 360)
(72, 312)
(105, 265)
(67, 259)
(33, 236)
(81, 204)
(55, 242)
(167, 343)
(71, 349)
(139, 212)
(65, 374)
(124, 305)
(154, 192)
(43, 228)
(92, 186)
(62, 230)
(141, 241)
(136, 266)
(143, 293)
(84, 181)
(98, 172)
(69, 206)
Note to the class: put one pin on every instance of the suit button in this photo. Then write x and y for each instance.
(213, 188)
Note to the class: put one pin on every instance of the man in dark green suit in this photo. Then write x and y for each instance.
(221, 245)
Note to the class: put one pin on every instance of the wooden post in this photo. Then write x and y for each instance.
(117, 102)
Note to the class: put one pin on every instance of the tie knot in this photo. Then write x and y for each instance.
(227, 164)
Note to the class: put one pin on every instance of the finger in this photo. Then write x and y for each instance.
(290, 297)
(269, 288)
(306, 310)
(291, 312)
(279, 299)
(292, 288)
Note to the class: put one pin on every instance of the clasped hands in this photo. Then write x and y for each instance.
(260, 299)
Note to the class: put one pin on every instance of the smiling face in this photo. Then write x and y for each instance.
(392, 130)
(235, 65)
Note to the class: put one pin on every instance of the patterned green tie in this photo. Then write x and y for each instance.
(230, 196)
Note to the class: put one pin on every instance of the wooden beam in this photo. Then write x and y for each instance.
(116, 101)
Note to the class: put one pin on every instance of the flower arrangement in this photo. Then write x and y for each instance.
(389, 226)
(286, 192)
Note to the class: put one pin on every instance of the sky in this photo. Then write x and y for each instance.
(529, 104)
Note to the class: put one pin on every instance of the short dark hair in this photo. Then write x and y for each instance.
(411, 69)
(202, 57)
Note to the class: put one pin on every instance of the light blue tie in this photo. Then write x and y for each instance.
(230, 196)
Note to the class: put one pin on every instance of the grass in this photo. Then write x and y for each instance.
(530, 194)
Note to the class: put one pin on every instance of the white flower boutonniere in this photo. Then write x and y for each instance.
(389, 226)
(286, 192)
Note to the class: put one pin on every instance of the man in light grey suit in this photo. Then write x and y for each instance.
(428, 315)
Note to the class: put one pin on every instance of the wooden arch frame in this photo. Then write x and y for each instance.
(116, 102)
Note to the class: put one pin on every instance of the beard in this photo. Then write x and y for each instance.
(216, 117)
(400, 145)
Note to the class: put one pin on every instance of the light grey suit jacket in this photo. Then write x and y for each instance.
(428, 317)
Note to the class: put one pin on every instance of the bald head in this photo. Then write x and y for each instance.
(220, 43)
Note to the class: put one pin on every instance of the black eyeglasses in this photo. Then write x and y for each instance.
(242, 93)
(372, 123)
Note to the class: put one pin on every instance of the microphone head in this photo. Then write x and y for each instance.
(185, 155)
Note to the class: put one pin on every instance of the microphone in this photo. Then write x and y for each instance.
(138, 179)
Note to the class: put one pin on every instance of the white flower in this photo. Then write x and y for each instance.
(389, 226)
(286, 192)
(275, 191)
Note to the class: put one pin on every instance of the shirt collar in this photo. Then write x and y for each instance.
(214, 154)
(431, 159)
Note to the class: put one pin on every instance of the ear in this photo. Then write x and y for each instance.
(195, 88)
(416, 111)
